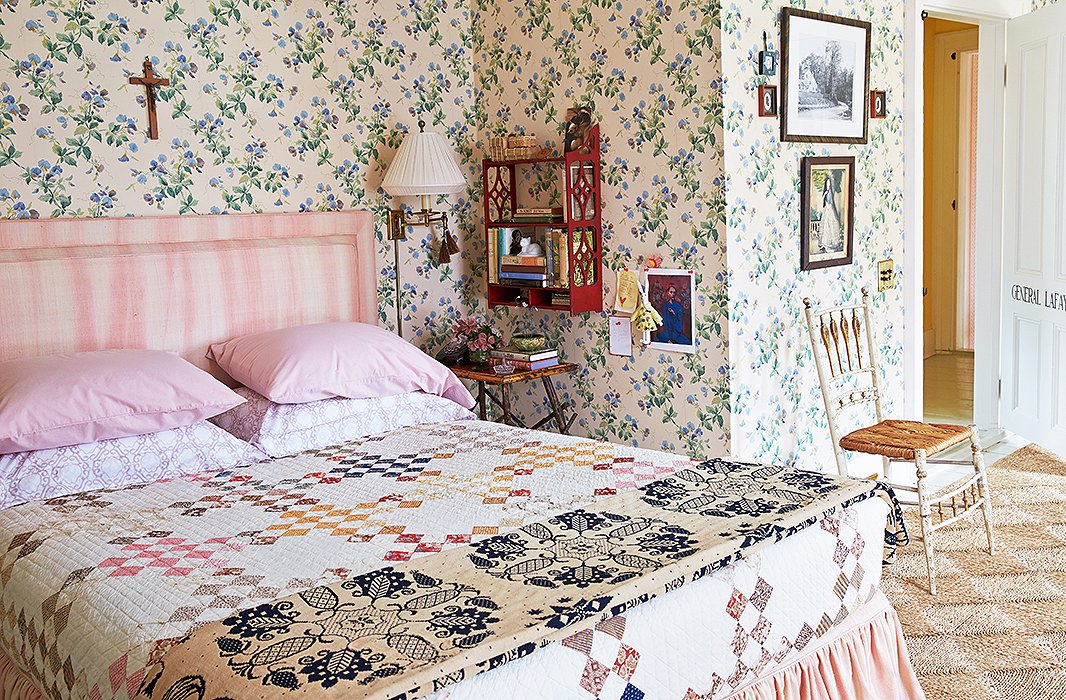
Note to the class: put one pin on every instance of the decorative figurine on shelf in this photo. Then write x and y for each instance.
(578, 126)
(480, 339)
(530, 248)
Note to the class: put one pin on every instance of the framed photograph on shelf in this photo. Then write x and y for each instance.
(825, 74)
(827, 216)
(672, 292)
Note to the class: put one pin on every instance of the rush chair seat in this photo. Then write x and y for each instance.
(846, 359)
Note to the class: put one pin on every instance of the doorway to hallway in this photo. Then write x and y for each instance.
(950, 221)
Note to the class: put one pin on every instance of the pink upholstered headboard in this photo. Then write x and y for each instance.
(179, 283)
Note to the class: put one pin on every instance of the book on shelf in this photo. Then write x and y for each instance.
(511, 282)
(523, 260)
(559, 299)
(527, 276)
(539, 211)
(525, 366)
(510, 352)
(559, 248)
(513, 269)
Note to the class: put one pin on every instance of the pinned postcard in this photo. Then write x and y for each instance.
(620, 335)
(628, 294)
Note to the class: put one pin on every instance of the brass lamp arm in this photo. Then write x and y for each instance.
(399, 220)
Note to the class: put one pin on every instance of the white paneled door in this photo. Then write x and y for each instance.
(1033, 396)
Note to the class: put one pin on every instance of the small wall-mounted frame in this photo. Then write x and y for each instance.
(878, 104)
(767, 63)
(767, 100)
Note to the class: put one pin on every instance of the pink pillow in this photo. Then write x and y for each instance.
(75, 398)
(353, 360)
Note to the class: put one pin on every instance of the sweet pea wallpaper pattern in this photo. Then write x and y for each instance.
(272, 106)
(300, 105)
(649, 71)
(778, 414)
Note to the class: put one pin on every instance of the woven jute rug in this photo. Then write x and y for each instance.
(997, 627)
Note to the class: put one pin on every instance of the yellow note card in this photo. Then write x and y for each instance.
(625, 300)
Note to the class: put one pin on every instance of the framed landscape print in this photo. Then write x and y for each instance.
(827, 216)
(672, 292)
(825, 73)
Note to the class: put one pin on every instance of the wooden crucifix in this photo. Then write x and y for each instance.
(150, 82)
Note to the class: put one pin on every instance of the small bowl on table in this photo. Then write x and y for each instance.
(529, 342)
(503, 369)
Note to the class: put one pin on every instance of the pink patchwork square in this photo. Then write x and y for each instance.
(737, 603)
(594, 676)
(625, 664)
(761, 630)
(397, 556)
(760, 597)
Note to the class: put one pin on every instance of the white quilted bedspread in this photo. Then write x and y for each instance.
(134, 569)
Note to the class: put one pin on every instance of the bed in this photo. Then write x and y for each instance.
(725, 580)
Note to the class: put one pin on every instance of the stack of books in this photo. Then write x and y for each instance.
(525, 361)
(525, 270)
(538, 215)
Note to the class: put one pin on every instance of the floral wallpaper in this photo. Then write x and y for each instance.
(300, 105)
(778, 414)
(650, 72)
(285, 106)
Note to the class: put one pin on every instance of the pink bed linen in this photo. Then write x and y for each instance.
(865, 658)
(14, 685)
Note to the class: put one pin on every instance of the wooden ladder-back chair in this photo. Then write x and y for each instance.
(846, 358)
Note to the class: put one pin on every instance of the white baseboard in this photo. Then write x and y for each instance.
(928, 343)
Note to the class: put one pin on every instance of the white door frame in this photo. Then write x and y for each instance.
(990, 16)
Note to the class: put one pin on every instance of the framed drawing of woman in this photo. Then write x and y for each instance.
(827, 218)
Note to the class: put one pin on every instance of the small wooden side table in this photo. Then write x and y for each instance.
(486, 376)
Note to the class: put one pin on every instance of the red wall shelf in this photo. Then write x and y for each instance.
(581, 173)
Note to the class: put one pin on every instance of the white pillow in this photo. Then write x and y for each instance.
(60, 471)
(287, 429)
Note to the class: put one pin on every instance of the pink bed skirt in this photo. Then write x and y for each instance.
(863, 659)
(14, 685)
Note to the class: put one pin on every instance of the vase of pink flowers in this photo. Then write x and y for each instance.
(481, 339)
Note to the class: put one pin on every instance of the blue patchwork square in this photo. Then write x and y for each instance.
(632, 692)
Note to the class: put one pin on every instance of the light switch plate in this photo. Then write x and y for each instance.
(886, 275)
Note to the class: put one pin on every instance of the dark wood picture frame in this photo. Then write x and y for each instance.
(811, 258)
(788, 131)
(768, 101)
(878, 104)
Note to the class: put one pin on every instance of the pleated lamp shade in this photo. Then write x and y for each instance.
(425, 164)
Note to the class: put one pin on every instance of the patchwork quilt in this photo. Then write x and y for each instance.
(321, 543)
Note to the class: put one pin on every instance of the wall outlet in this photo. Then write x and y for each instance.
(886, 275)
